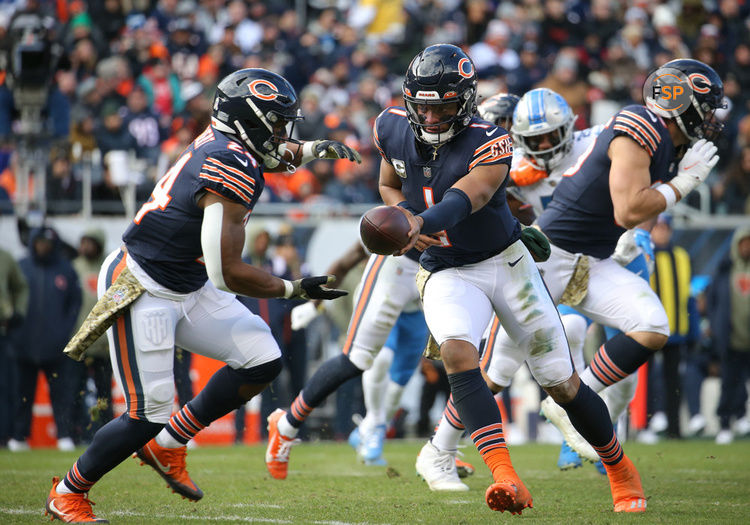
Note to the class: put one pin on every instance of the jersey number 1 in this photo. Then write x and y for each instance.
(160, 197)
(429, 201)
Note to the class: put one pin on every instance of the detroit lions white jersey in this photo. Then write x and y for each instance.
(535, 186)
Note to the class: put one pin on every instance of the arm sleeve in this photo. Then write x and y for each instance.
(452, 209)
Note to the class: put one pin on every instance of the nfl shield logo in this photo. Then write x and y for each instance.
(427, 171)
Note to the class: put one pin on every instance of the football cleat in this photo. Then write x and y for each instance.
(556, 415)
(568, 458)
(169, 463)
(625, 483)
(371, 447)
(277, 453)
(354, 438)
(438, 469)
(464, 469)
(70, 508)
(511, 495)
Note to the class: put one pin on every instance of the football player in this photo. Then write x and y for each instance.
(628, 175)
(180, 264)
(448, 169)
(545, 146)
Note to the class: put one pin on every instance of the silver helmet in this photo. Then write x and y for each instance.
(542, 112)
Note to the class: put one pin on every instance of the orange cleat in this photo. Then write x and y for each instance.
(169, 463)
(464, 469)
(277, 453)
(509, 494)
(70, 508)
(625, 483)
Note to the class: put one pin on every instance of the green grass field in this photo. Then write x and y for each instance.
(686, 482)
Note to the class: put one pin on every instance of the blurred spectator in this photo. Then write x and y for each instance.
(729, 309)
(671, 282)
(54, 304)
(14, 301)
(143, 125)
(492, 56)
(732, 192)
(63, 189)
(564, 80)
(97, 366)
(161, 85)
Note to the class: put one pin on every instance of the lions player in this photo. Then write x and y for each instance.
(451, 180)
(182, 258)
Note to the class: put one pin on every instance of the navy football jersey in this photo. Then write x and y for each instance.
(581, 218)
(165, 236)
(425, 178)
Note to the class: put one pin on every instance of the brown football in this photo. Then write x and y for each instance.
(384, 230)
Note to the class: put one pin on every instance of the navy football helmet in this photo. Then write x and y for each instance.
(498, 109)
(442, 74)
(707, 96)
(254, 106)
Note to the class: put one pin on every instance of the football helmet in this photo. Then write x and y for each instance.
(543, 113)
(707, 95)
(498, 109)
(441, 74)
(254, 107)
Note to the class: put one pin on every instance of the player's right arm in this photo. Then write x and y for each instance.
(222, 239)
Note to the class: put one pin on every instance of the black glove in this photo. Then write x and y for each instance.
(330, 149)
(312, 288)
(537, 243)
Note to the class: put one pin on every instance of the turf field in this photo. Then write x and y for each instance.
(686, 482)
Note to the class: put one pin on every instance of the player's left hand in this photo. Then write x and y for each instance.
(331, 149)
(537, 243)
(314, 288)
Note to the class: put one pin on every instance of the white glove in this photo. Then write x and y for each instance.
(695, 166)
(303, 315)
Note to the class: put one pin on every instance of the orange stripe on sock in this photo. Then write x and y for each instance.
(613, 367)
(191, 418)
(364, 297)
(488, 428)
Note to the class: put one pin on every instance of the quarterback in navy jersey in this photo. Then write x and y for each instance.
(449, 176)
(629, 175)
(181, 266)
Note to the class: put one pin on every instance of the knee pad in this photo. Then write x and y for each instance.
(575, 330)
(159, 399)
(260, 374)
(361, 358)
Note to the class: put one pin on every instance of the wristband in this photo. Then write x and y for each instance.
(668, 192)
(307, 153)
(288, 289)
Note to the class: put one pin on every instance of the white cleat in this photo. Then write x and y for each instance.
(558, 417)
(438, 469)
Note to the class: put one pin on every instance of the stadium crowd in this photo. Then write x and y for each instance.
(135, 77)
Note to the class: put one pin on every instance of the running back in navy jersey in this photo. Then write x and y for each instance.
(580, 218)
(165, 236)
(426, 177)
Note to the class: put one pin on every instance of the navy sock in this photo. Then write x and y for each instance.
(331, 375)
(478, 410)
(589, 416)
(112, 444)
(618, 358)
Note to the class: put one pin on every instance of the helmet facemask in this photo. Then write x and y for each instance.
(561, 139)
(454, 115)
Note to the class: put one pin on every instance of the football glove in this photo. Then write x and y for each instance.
(313, 288)
(303, 315)
(537, 243)
(330, 149)
(695, 166)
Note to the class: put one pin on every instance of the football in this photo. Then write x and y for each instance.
(384, 230)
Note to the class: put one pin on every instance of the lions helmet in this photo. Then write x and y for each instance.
(498, 109)
(254, 106)
(441, 74)
(706, 96)
(542, 113)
